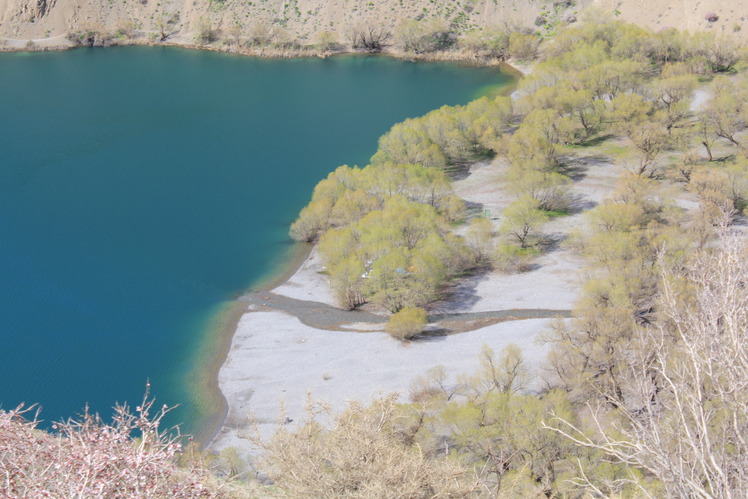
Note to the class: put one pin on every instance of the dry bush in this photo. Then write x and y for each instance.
(86, 457)
(523, 46)
(368, 37)
(364, 455)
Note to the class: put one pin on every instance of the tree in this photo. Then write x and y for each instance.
(166, 25)
(443, 130)
(529, 149)
(705, 132)
(500, 434)
(490, 42)
(313, 218)
(522, 220)
(505, 373)
(409, 143)
(550, 189)
(236, 31)
(589, 352)
(482, 121)
(368, 37)
(347, 283)
(726, 112)
(650, 136)
(260, 35)
(328, 41)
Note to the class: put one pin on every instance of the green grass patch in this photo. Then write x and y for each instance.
(556, 213)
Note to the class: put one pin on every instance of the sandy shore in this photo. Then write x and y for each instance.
(275, 359)
(308, 282)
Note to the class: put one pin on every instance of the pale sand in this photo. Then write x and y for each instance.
(275, 357)
(308, 283)
(554, 280)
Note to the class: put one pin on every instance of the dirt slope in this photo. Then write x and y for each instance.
(47, 22)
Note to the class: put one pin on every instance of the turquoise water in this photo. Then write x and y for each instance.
(140, 188)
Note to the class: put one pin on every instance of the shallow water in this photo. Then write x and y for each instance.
(141, 188)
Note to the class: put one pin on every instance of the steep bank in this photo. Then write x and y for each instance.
(229, 24)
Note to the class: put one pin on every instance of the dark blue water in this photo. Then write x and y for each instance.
(140, 188)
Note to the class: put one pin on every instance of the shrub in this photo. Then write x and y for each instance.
(206, 33)
(711, 17)
(407, 323)
(87, 457)
(510, 258)
(523, 46)
(364, 454)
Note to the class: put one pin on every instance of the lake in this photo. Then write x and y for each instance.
(143, 188)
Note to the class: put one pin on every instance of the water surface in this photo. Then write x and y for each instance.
(141, 188)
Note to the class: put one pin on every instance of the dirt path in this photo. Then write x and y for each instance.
(324, 316)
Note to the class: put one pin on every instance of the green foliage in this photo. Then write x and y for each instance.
(530, 149)
(503, 373)
(347, 194)
(384, 227)
(387, 240)
(407, 323)
(511, 258)
(313, 218)
(448, 136)
(502, 434)
(625, 237)
(726, 113)
(408, 142)
(396, 256)
(722, 189)
(328, 41)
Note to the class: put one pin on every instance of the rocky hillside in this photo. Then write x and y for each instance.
(49, 23)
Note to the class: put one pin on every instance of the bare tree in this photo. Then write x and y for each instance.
(686, 419)
(166, 24)
(368, 37)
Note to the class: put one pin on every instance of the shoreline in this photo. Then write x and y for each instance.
(454, 56)
(220, 336)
